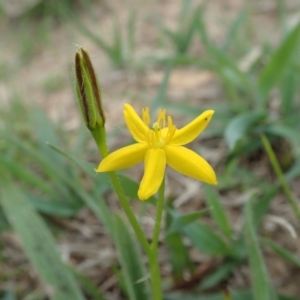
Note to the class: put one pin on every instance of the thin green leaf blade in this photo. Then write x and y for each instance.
(274, 70)
(219, 275)
(287, 255)
(289, 87)
(178, 221)
(217, 210)
(88, 286)
(259, 274)
(38, 244)
(131, 261)
(178, 255)
(240, 125)
(206, 240)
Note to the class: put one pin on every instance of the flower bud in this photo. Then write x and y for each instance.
(88, 91)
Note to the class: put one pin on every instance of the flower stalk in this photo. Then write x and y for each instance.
(157, 146)
(89, 98)
(154, 258)
(103, 149)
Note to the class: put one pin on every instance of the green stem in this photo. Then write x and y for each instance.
(100, 138)
(153, 259)
(276, 166)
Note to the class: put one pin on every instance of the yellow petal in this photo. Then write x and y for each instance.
(123, 158)
(189, 132)
(136, 126)
(155, 165)
(189, 163)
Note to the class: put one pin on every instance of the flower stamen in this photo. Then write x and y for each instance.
(158, 145)
(171, 130)
(146, 116)
(161, 119)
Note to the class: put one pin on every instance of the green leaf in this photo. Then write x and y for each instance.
(206, 240)
(57, 173)
(277, 65)
(240, 125)
(289, 88)
(234, 28)
(178, 221)
(234, 295)
(53, 207)
(259, 275)
(287, 255)
(285, 131)
(7, 295)
(178, 255)
(26, 175)
(262, 205)
(88, 285)
(44, 133)
(86, 166)
(38, 244)
(131, 261)
(217, 210)
(219, 275)
(233, 78)
(178, 252)
(95, 203)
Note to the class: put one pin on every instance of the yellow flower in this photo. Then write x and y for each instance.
(159, 146)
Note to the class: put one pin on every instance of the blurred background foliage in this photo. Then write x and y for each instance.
(59, 222)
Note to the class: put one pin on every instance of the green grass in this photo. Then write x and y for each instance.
(45, 177)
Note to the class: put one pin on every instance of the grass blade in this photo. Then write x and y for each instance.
(218, 212)
(259, 275)
(178, 221)
(88, 285)
(178, 256)
(206, 240)
(289, 87)
(287, 255)
(131, 261)
(240, 125)
(39, 245)
(279, 62)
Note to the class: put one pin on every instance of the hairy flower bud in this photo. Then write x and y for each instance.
(88, 91)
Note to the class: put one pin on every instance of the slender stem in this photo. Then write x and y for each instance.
(153, 259)
(128, 211)
(100, 138)
(276, 166)
(159, 212)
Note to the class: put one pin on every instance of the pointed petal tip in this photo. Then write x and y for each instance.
(212, 180)
(209, 112)
(99, 169)
(143, 196)
(127, 106)
(209, 181)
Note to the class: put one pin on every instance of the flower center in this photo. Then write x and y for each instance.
(161, 134)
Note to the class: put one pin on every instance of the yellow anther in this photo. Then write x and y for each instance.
(161, 119)
(170, 122)
(146, 116)
(171, 130)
